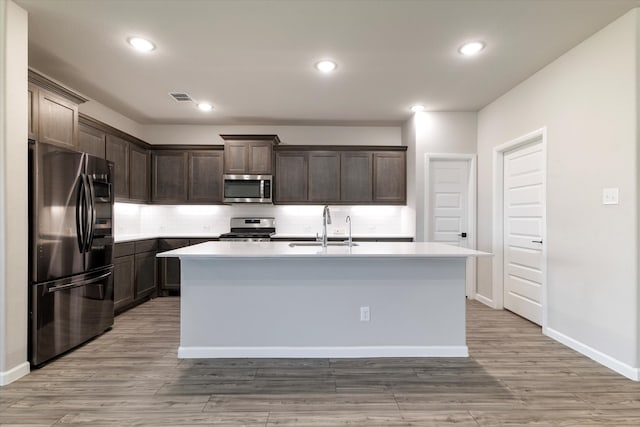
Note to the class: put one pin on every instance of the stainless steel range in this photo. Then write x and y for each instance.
(250, 229)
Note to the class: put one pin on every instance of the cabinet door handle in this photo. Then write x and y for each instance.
(463, 235)
(536, 241)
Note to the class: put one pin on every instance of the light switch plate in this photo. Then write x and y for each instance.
(610, 196)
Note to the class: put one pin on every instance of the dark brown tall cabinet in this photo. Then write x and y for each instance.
(249, 154)
(52, 112)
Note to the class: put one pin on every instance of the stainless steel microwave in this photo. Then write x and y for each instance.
(248, 188)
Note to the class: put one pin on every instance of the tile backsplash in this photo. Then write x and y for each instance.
(132, 220)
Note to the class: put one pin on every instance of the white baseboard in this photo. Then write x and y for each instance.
(485, 300)
(15, 373)
(322, 352)
(604, 359)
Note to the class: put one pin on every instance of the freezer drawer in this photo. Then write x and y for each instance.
(66, 313)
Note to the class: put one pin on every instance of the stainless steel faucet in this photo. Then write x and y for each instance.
(348, 221)
(326, 219)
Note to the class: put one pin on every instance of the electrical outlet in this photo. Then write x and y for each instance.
(365, 314)
(338, 230)
(610, 196)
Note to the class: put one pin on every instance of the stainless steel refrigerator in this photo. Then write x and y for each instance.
(71, 249)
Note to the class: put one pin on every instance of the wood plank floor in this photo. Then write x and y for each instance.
(131, 376)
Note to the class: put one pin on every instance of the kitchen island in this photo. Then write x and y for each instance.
(279, 299)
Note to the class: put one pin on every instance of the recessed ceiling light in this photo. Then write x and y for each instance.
(140, 44)
(471, 48)
(417, 108)
(205, 106)
(326, 66)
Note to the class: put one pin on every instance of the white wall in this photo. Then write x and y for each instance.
(13, 192)
(292, 135)
(106, 115)
(587, 99)
(434, 132)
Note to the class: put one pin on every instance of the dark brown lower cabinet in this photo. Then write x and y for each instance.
(134, 277)
(169, 268)
(123, 279)
(145, 274)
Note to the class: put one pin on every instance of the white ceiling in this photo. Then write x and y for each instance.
(253, 60)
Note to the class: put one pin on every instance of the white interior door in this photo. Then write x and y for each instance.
(524, 208)
(449, 182)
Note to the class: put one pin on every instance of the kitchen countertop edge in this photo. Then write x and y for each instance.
(273, 250)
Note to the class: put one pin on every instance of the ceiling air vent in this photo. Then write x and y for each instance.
(181, 96)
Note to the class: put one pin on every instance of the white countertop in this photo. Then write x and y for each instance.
(342, 236)
(285, 250)
(133, 237)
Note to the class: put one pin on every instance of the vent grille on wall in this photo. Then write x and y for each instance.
(181, 97)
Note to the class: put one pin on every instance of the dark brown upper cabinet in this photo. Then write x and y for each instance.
(91, 140)
(340, 175)
(117, 151)
(57, 120)
(356, 176)
(139, 173)
(205, 177)
(291, 176)
(189, 175)
(249, 154)
(324, 176)
(131, 157)
(389, 178)
(169, 176)
(53, 112)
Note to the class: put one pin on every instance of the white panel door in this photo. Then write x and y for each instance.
(449, 181)
(524, 208)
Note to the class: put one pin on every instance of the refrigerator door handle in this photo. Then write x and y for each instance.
(81, 283)
(91, 225)
(87, 209)
(80, 214)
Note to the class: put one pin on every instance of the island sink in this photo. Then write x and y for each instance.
(293, 245)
